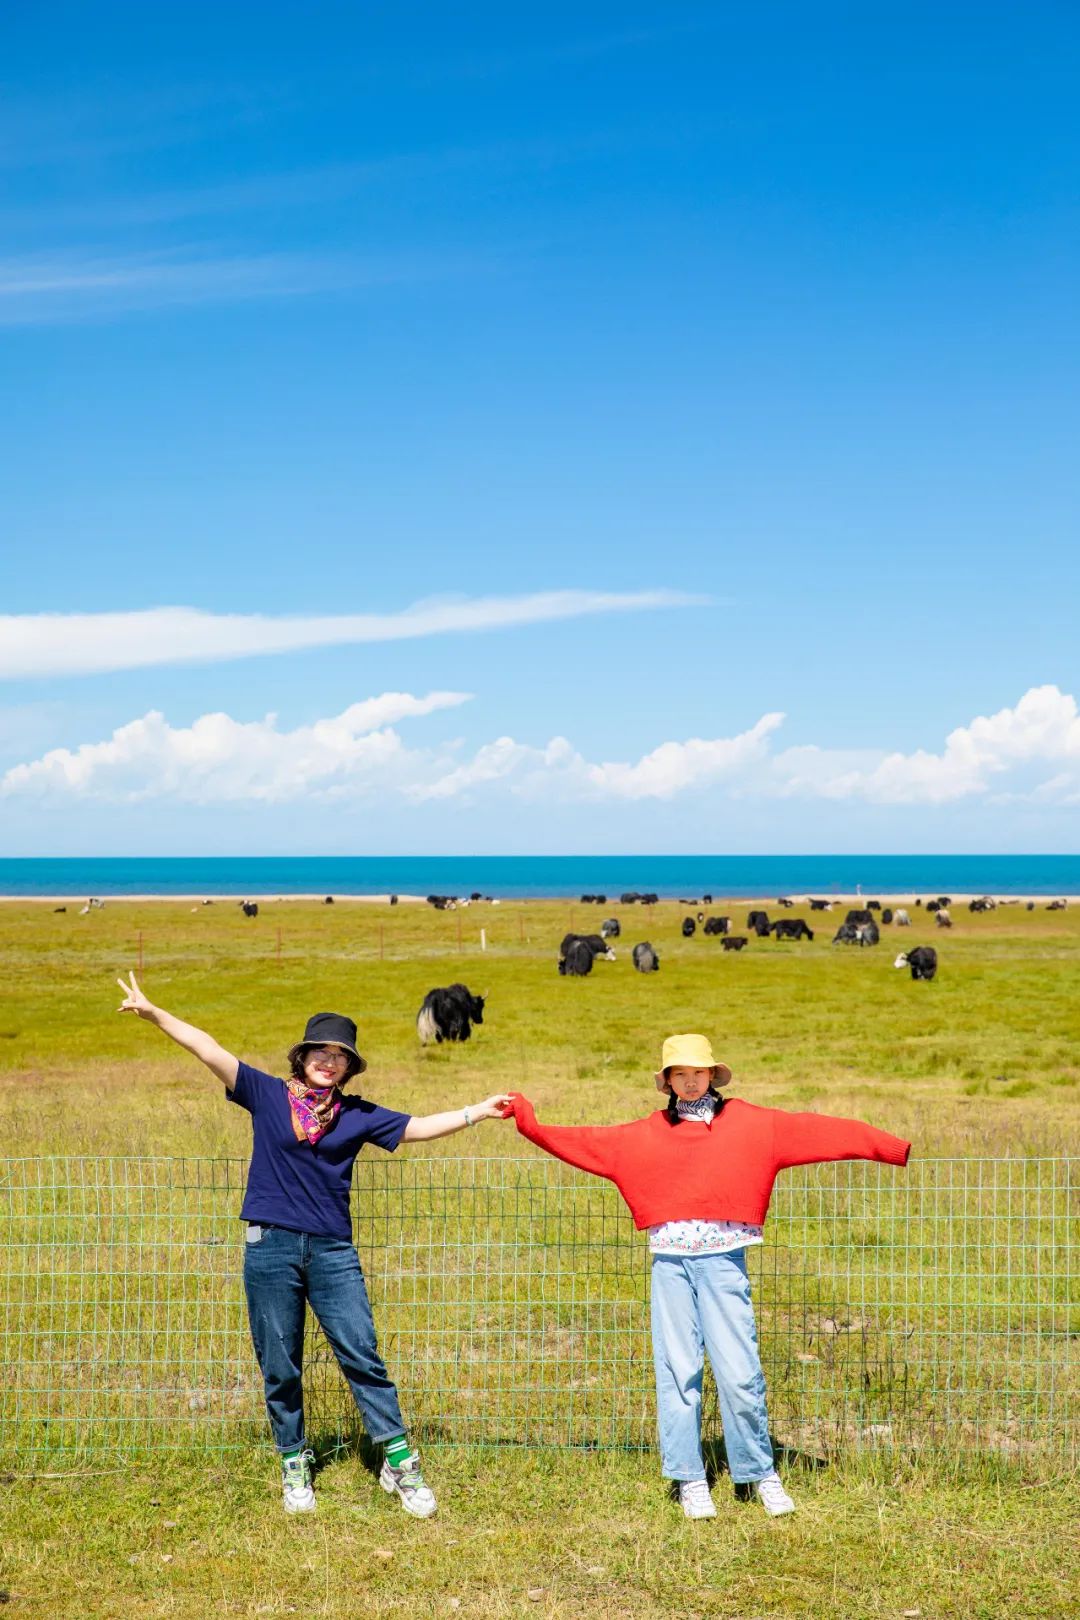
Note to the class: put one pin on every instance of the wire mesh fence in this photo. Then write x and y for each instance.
(937, 1308)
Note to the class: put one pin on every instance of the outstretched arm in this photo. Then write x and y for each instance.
(427, 1127)
(819, 1138)
(588, 1147)
(195, 1041)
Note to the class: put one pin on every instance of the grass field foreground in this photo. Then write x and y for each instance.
(981, 1062)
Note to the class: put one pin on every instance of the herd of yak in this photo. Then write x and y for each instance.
(447, 1014)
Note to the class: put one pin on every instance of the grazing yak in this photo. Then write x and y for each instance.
(901, 918)
(449, 1014)
(887, 915)
(609, 928)
(706, 899)
(758, 923)
(716, 925)
(943, 919)
(873, 905)
(857, 933)
(792, 928)
(250, 908)
(985, 903)
(689, 926)
(595, 944)
(1058, 905)
(442, 902)
(682, 902)
(782, 900)
(734, 942)
(577, 960)
(58, 909)
(922, 961)
(645, 958)
(821, 905)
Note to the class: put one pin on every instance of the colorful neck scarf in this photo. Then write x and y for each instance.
(701, 1108)
(314, 1109)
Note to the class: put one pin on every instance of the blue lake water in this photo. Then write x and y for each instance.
(522, 876)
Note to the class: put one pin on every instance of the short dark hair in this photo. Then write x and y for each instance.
(295, 1060)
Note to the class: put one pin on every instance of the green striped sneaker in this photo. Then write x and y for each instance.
(296, 1487)
(408, 1483)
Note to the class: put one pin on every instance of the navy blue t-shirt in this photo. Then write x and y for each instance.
(302, 1187)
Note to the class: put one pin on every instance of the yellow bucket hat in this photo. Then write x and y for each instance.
(691, 1052)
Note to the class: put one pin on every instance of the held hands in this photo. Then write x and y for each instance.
(134, 999)
(497, 1107)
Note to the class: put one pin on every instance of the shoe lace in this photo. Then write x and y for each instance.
(695, 1491)
(772, 1486)
(296, 1471)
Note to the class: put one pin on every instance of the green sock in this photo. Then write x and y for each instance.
(398, 1451)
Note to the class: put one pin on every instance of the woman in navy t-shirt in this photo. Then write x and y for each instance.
(299, 1247)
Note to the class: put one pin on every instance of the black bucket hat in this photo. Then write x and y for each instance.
(330, 1029)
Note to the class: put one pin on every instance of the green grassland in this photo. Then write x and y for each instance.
(980, 1065)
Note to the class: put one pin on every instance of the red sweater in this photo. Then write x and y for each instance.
(723, 1171)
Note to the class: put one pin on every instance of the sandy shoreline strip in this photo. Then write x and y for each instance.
(718, 902)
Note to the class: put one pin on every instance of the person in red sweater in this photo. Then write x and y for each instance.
(698, 1175)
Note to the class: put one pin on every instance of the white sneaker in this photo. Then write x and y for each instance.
(696, 1499)
(774, 1499)
(296, 1490)
(417, 1497)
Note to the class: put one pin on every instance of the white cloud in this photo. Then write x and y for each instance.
(1043, 729)
(1030, 753)
(87, 643)
(678, 765)
(221, 760)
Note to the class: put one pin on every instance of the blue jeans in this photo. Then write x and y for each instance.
(699, 1303)
(283, 1273)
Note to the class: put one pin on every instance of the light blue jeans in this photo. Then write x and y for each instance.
(699, 1303)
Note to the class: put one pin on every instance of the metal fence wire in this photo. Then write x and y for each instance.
(937, 1308)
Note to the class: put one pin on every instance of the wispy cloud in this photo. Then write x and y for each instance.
(40, 290)
(42, 644)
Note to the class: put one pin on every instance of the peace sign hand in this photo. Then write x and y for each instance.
(134, 999)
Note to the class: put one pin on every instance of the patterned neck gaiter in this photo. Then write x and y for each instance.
(314, 1109)
(701, 1108)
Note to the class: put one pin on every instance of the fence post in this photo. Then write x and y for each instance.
(483, 939)
(140, 952)
(459, 931)
(521, 927)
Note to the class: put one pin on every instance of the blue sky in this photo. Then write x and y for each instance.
(728, 353)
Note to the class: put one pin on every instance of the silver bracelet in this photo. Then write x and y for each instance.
(468, 1116)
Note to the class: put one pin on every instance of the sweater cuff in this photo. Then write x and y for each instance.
(895, 1150)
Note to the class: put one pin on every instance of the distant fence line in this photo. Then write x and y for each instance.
(931, 1308)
